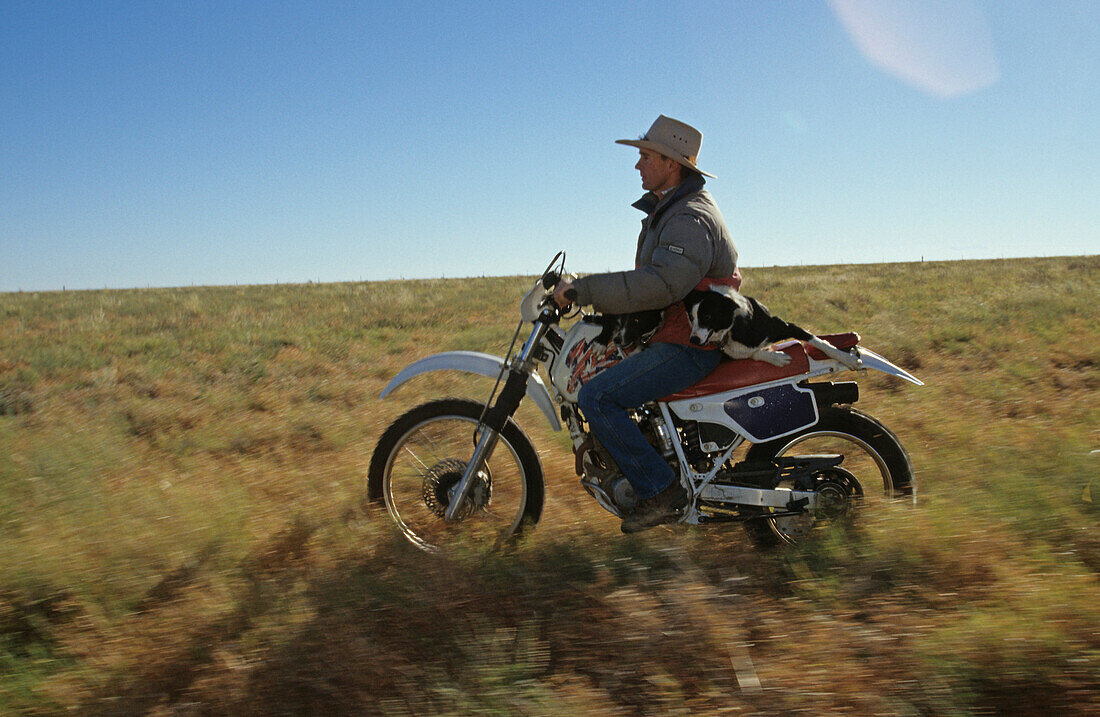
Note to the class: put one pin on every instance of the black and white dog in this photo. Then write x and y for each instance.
(744, 328)
(627, 330)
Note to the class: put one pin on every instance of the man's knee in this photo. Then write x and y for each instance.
(588, 399)
(595, 400)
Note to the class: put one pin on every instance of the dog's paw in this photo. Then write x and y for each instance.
(849, 360)
(775, 358)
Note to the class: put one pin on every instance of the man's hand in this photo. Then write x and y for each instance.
(565, 294)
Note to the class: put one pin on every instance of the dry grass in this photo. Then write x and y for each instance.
(183, 532)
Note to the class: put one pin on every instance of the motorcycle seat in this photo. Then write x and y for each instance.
(739, 373)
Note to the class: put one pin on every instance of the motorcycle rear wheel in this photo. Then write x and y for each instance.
(872, 454)
(421, 457)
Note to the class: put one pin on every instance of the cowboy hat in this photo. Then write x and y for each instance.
(673, 139)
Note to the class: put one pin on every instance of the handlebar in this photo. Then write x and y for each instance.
(541, 297)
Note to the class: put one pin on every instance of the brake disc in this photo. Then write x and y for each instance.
(439, 484)
(837, 491)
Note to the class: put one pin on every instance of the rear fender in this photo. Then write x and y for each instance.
(872, 360)
(482, 365)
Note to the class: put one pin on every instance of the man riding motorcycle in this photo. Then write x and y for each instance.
(684, 245)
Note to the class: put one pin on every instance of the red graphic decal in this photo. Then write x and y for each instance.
(587, 359)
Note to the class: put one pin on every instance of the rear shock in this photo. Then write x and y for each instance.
(656, 432)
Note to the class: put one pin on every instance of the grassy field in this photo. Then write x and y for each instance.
(182, 526)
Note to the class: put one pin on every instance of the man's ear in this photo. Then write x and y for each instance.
(675, 167)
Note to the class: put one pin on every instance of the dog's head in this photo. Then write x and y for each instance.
(714, 314)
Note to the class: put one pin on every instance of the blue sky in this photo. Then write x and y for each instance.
(209, 143)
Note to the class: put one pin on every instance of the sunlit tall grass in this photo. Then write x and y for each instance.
(182, 525)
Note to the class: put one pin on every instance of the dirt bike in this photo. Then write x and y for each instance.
(462, 469)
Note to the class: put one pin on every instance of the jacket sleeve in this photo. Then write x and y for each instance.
(681, 259)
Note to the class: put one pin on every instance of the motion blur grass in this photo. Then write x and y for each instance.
(182, 525)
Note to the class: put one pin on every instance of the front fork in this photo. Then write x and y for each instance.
(515, 388)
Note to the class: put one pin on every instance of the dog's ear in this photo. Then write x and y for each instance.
(693, 297)
(720, 310)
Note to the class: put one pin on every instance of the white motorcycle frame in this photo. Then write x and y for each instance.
(482, 364)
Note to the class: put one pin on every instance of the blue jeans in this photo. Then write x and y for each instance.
(648, 375)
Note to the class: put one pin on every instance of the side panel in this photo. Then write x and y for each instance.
(476, 363)
(581, 359)
(760, 413)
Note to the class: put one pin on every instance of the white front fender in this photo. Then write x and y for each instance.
(482, 365)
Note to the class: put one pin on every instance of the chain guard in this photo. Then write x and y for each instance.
(837, 491)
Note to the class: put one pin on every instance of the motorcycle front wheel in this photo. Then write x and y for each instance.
(420, 459)
(873, 457)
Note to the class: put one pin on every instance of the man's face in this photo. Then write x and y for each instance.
(659, 173)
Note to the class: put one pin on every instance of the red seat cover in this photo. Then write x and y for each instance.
(748, 372)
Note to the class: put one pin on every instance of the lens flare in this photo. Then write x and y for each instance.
(942, 47)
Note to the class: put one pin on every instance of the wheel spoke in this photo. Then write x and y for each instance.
(875, 470)
(415, 457)
(424, 454)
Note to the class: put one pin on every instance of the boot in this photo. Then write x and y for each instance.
(665, 507)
